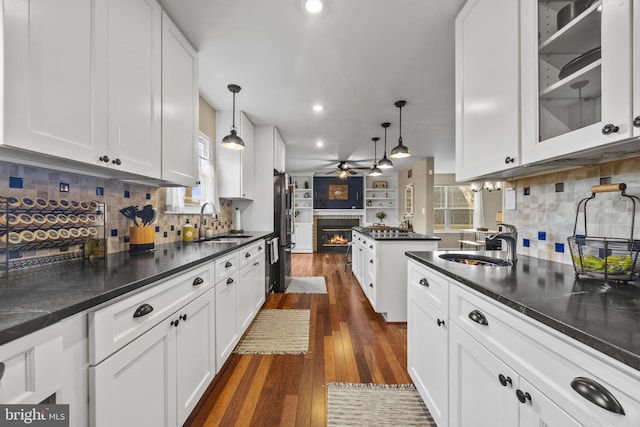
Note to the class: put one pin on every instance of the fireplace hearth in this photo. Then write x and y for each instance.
(332, 235)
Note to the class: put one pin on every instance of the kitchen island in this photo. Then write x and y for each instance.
(565, 351)
(379, 265)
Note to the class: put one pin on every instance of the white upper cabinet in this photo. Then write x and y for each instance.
(55, 79)
(636, 67)
(278, 151)
(134, 85)
(179, 106)
(235, 167)
(576, 77)
(487, 88)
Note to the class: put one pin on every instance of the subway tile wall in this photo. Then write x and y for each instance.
(546, 212)
(27, 181)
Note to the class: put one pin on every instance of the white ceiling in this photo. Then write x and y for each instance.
(356, 58)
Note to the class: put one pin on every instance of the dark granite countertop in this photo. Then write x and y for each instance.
(604, 316)
(373, 233)
(33, 299)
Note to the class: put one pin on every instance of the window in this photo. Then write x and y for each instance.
(453, 207)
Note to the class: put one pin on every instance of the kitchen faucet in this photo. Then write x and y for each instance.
(510, 236)
(201, 231)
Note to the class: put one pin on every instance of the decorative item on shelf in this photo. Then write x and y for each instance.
(381, 215)
(306, 195)
(400, 151)
(296, 213)
(306, 185)
(369, 203)
(233, 141)
(379, 184)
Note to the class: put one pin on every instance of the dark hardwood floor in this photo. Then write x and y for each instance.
(349, 342)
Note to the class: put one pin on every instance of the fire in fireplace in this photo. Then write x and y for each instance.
(334, 234)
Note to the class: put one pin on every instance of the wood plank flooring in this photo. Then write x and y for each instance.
(349, 342)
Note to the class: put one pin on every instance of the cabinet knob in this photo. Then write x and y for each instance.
(597, 394)
(143, 310)
(247, 255)
(228, 264)
(609, 128)
(440, 322)
(229, 281)
(1, 370)
(636, 122)
(424, 282)
(504, 380)
(371, 285)
(370, 246)
(478, 317)
(104, 159)
(116, 162)
(508, 160)
(175, 323)
(183, 317)
(523, 396)
(198, 281)
(370, 261)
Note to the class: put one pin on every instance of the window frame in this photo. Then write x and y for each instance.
(447, 210)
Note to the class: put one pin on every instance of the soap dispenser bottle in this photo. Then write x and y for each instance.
(187, 231)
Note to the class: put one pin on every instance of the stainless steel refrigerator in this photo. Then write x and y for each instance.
(281, 245)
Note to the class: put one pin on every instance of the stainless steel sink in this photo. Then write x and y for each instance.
(477, 260)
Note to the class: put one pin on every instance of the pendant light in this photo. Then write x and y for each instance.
(375, 170)
(385, 163)
(400, 151)
(233, 141)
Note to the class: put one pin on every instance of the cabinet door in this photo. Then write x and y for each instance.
(476, 396)
(258, 285)
(137, 385)
(134, 63)
(278, 152)
(539, 410)
(227, 335)
(304, 237)
(180, 106)
(246, 306)
(195, 352)
(370, 281)
(427, 354)
(487, 87)
(567, 108)
(247, 169)
(55, 79)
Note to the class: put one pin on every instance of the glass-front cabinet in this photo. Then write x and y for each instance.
(576, 76)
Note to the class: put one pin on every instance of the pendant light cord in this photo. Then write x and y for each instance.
(400, 131)
(233, 118)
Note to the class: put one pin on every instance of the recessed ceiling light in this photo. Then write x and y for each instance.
(319, 144)
(313, 6)
(318, 108)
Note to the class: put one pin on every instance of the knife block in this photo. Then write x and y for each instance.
(141, 238)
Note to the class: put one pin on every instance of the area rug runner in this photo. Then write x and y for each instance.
(376, 405)
(277, 332)
(306, 285)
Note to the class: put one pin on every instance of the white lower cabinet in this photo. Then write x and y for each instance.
(227, 327)
(304, 238)
(158, 378)
(477, 362)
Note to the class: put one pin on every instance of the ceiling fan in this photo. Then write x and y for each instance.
(345, 168)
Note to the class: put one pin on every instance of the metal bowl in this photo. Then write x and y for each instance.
(580, 62)
(569, 12)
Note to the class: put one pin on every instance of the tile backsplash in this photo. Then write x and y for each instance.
(546, 206)
(28, 181)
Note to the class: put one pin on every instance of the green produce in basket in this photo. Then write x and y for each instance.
(615, 264)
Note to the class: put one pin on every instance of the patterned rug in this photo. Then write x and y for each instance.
(277, 332)
(376, 405)
(306, 285)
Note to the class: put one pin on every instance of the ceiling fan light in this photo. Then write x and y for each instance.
(233, 141)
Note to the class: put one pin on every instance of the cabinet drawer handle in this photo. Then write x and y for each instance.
(1, 370)
(523, 396)
(609, 128)
(478, 317)
(424, 282)
(198, 281)
(247, 255)
(228, 264)
(175, 323)
(596, 394)
(440, 322)
(636, 122)
(229, 281)
(183, 317)
(143, 310)
(505, 380)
